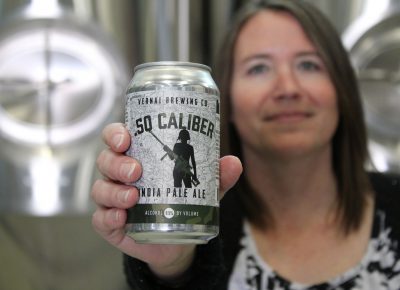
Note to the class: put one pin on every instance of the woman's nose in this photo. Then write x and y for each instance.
(287, 85)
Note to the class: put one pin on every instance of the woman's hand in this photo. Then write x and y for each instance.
(113, 197)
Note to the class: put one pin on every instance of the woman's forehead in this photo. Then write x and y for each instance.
(269, 31)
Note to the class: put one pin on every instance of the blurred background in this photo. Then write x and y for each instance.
(64, 67)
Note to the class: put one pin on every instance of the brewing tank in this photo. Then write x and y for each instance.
(373, 41)
(63, 72)
(370, 33)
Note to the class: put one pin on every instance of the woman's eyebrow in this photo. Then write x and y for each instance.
(261, 56)
(266, 56)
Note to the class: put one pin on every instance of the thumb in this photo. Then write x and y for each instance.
(230, 171)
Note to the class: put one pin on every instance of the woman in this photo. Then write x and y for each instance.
(305, 214)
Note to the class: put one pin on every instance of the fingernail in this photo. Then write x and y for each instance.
(117, 140)
(125, 195)
(128, 169)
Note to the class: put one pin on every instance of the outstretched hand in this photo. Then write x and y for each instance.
(113, 197)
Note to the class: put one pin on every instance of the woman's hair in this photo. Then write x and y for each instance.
(349, 142)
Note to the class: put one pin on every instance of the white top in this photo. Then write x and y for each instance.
(379, 269)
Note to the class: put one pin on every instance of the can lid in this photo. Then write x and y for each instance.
(172, 63)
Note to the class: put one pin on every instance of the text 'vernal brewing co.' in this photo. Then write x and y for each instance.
(172, 113)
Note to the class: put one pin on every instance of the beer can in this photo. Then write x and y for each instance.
(172, 114)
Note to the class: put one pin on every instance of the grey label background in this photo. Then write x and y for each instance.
(157, 173)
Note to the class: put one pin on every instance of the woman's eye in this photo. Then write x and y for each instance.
(257, 69)
(309, 66)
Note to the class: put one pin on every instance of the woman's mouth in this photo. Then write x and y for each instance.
(288, 116)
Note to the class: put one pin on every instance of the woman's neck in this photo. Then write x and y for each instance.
(297, 191)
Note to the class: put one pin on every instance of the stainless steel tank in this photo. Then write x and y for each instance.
(370, 32)
(61, 80)
(373, 41)
(62, 77)
(56, 97)
(46, 170)
(183, 30)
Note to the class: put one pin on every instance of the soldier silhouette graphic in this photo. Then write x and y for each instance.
(183, 155)
(186, 153)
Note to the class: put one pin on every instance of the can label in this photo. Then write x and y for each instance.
(175, 136)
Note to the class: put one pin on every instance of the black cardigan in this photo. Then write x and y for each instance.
(214, 261)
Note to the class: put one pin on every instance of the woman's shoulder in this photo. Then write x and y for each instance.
(386, 183)
(387, 188)
(387, 197)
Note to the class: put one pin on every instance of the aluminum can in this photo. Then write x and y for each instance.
(172, 114)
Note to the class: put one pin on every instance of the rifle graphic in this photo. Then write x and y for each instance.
(182, 164)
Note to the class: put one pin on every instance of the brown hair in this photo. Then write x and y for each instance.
(349, 142)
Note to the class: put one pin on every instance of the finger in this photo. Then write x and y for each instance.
(117, 137)
(118, 167)
(230, 171)
(109, 194)
(110, 224)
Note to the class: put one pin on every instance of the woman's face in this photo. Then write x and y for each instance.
(283, 100)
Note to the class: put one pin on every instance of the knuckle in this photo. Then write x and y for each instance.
(102, 193)
(104, 220)
(95, 188)
(117, 166)
(110, 194)
(100, 160)
(107, 162)
(97, 220)
(109, 132)
(105, 134)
